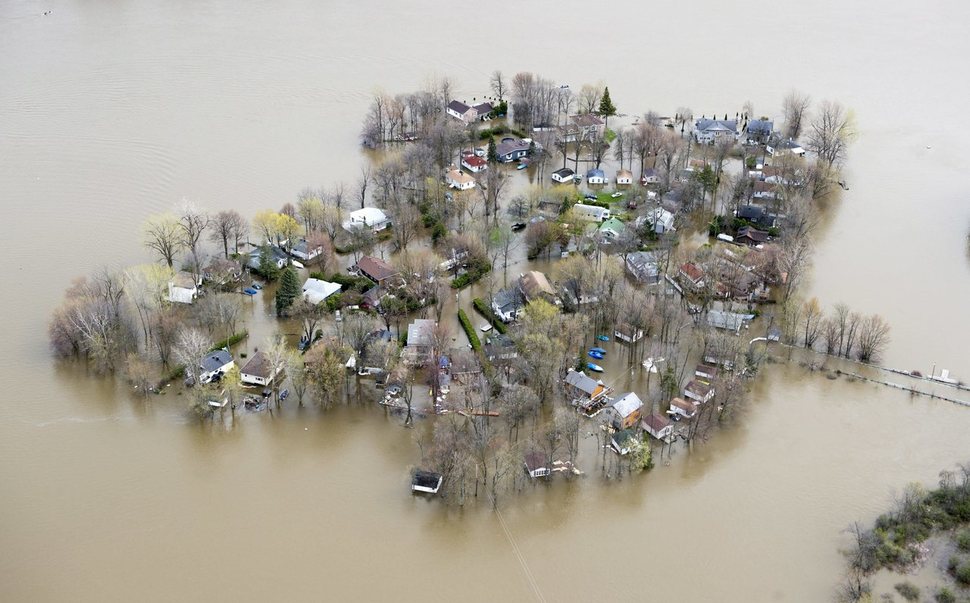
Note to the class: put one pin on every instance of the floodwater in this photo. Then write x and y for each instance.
(110, 111)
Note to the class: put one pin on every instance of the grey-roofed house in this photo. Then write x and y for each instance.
(507, 304)
(276, 255)
(759, 131)
(620, 440)
(376, 269)
(563, 175)
(757, 215)
(728, 321)
(588, 394)
(751, 236)
(468, 113)
(303, 251)
(259, 370)
(510, 149)
(649, 176)
(420, 342)
(464, 365)
(710, 131)
(626, 410)
(500, 348)
(642, 265)
(214, 365)
(596, 176)
(784, 146)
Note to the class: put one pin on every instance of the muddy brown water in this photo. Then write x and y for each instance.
(112, 111)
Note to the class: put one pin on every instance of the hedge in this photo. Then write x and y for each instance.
(231, 341)
(470, 331)
(474, 272)
(487, 312)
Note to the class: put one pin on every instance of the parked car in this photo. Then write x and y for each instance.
(518, 226)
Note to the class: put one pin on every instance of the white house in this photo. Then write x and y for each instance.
(624, 177)
(536, 466)
(302, 251)
(657, 425)
(710, 131)
(316, 290)
(596, 176)
(214, 365)
(369, 217)
(643, 266)
(649, 176)
(659, 218)
(777, 148)
(460, 180)
(590, 213)
(259, 370)
(507, 304)
(625, 332)
(699, 391)
(563, 176)
(473, 163)
(466, 113)
(684, 408)
(183, 288)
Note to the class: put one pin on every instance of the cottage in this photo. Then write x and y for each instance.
(316, 290)
(464, 366)
(367, 217)
(473, 163)
(692, 275)
(303, 251)
(684, 408)
(626, 411)
(728, 321)
(777, 147)
(459, 180)
(183, 288)
(750, 235)
(624, 177)
(500, 348)
(756, 215)
(659, 219)
(625, 332)
(427, 482)
(259, 370)
(534, 285)
(759, 131)
(706, 372)
(642, 266)
(214, 365)
(376, 269)
(620, 440)
(587, 126)
(536, 465)
(467, 113)
(590, 213)
(512, 149)
(563, 176)
(764, 190)
(588, 393)
(276, 255)
(612, 229)
(507, 304)
(699, 391)
(420, 341)
(657, 425)
(710, 131)
(649, 176)
(596, 176)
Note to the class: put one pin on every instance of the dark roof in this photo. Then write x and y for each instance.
(748, 232)
(585, 120)
(655, 422)
(760, 126)
(483, 108)
(215, 360)
(510, 145)
(535, 460)
(563, 172)
(425, 479)
(508, 299)
(258, 365)
(458, 106)
(375, 269)
(751, 212)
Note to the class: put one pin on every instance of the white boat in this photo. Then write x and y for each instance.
(297, 264)
(486, 328)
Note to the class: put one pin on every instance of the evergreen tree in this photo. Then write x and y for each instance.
(267, 265)
(492, 153)
(288, 291)
(607, 109)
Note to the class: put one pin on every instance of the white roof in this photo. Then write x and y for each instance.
(368, 215)
(627, 403)
(316, 290)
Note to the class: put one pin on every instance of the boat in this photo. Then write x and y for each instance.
(594, 367)
(250, 291)
(598, 350)
(518, 226)
(603, 337)
(596, 355)
(297, 264)
(522, 166)
(486, 328)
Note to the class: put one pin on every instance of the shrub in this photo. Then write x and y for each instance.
(475, 270)
(945, 595)
(230, 341)
(483, 309)
(963, 540)
(470, 331)
(963, 573)
(908, 591)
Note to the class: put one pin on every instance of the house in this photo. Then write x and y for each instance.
(465, 367)
(699, 391)
(612, 229)
(534, 285)
(642, 265)
(588, 394)
(624, 177)
(420, 342)
(620, 440)
(370, 217)
(657, 425)
(750, 235)
(590, 213)
(183, 288)
(563, 176)
(428, 482)
(777, 147)
(710, 131)
(764, 190)
(536, 466)
(507, 304)
(259, 370)
(756, 215)
(466, 113)
(782, 175)
(625, 332)
(303, 251)
(659, 219)
(500, 348)
(649, 176)
(759, 131)
(375, 269)
(728, 321)
(276, 255)
(626, 411)
(473, 163)
(684, 408)
(596, 176)
(512, 149)
(316, 290)
(214, 365)
(705, 371)
(460, 180)
(586, 127)
(692, 275)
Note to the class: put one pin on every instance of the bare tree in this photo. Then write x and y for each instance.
(812, 322)
(873, 337)
(190, 346)
(830, 133)
(163, 235)
(363, 181)
(589, 98)
(794, 107)
(228, 227)
(193, 223)
(497, 82)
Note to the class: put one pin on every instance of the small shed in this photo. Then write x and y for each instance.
(427, 482)
(259, 370)
(536, 465)
(657, 425)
